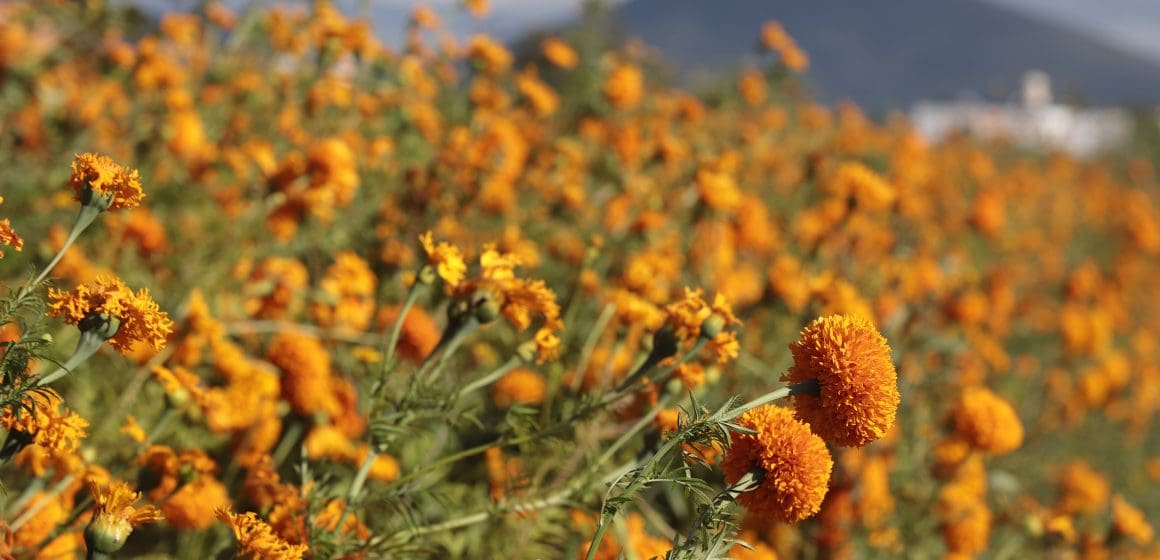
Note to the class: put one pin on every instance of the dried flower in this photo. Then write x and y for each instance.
(856, 398)
(791, 464)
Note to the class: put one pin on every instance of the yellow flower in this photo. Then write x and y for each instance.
(98, 180)
(855, 399)
(446, 259)
(256, 541)
(180, 383)
(516, 299)
(109, 303)
(988, 422)
(41, 422)
(115, 516)
(1082, 489)
(791, 464)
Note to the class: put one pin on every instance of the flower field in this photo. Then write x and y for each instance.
(272, 289)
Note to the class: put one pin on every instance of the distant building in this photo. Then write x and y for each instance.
(1035, 122)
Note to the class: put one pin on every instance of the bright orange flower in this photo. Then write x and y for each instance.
(519, 386)
(988, 422)
(559, 53)
(115, 516)
(256, 541)
(791, 464)
(9, 237)
(110, 300)
(624, 86)
(856, 398)
(446, 259)
(98, 180)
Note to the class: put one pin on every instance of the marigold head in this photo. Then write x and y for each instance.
(446, 259)
(8, 236)
(109, 303)
(791, 463)
(115, 516)
(99, 181)
(519, 386)
(256, 540)
(855, 399)
(987, 421)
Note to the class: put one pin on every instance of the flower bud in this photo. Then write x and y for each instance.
(107, 533)
(712, 326)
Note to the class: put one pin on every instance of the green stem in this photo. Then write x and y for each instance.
(88, 345)
(457, 339)
(44, 500)
(84, 218)
(491, 377)
(289, 439)
(596, 538)
(397, 329)
(162, 423)
(778, 394)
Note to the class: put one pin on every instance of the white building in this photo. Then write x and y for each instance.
(1035, 122)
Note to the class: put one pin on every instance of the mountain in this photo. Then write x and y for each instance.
(891, 53)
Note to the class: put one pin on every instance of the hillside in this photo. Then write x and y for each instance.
(891, 53)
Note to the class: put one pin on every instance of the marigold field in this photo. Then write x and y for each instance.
(271, 289)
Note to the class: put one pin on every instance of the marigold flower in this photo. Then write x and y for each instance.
(115, 516)
(8, 236)
(273, 287)
(420, 332)
(689, 317)
(491, 56)
(256, 541)
(192, 506)
(499, 292)
(519, 386)
(559, 53)
(446, 259)
(856, 396)
(988, 422)
(306, 373)
(42, 423)
(347, 293)
(108, 302)
(624, 86)
(792, 465)
(99, 181)
(1129, 521)
(1082, 489)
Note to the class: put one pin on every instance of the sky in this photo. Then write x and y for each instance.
(1133, 25)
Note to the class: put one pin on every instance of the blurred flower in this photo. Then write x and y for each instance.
(7, 236)
(519, 386)
(624, 86)
(347, 294)
(987, 422)
(559, 53)
(446, 259)
(856, 398)
(1130, 522)
(791, 464)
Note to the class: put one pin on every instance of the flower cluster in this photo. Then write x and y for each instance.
(109, 307)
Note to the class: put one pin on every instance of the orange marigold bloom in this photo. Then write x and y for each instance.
(559, 53)
(792, 464)
(446, 259)
(420, 331)
(107, 299)
(491, 56)
(517, 299)
(856, 396)
(854, 180)
(1129, 521)
(519, 386)
(115, 516)
(347, 293)
(180, 383)
(624, 87)
(42, 423)
(256, 541)
(192, 506)
(98, 176)
(988, 422)
(9, 237)
(1082, 489)
(688, 317)
(306, 373)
